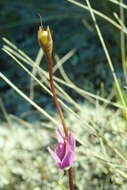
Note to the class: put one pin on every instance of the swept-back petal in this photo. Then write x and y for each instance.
(54, 156)
(64, 154)
(69, 156)
(60, 135)
(60, 150)
(68, 159)
(71, 140)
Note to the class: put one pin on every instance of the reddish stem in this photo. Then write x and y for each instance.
(49, 61)
(50, 69)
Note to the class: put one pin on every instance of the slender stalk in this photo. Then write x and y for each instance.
(50, 69)
(70, 177)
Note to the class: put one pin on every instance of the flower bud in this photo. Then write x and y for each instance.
(45, 40)
(64, 153)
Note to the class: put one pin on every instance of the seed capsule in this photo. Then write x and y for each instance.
(45, 40)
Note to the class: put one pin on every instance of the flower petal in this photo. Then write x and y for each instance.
(68, 159)
(60, 150)
(64, 154)
(71, 140)
(69, 156)
(54, 156)
(60, 135)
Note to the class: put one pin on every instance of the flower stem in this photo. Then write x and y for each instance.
(49, 61)
(50, 69)
(70, 177)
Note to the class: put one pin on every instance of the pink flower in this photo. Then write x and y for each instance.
(64, 153)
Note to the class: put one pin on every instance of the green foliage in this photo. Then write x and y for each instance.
(121, 100)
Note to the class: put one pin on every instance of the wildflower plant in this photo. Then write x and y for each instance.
(101, 133)
(64, 154)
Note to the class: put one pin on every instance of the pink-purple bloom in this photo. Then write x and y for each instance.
(64, 153)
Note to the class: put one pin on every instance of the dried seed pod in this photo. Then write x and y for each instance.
(45, 40)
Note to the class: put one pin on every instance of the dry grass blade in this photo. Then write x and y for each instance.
(63, 60)
(99, 14)
(70, 85)
(5, 113)
(119, 3)
(67, 108)
(28, 99)
(34, 71)
(106, 53)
